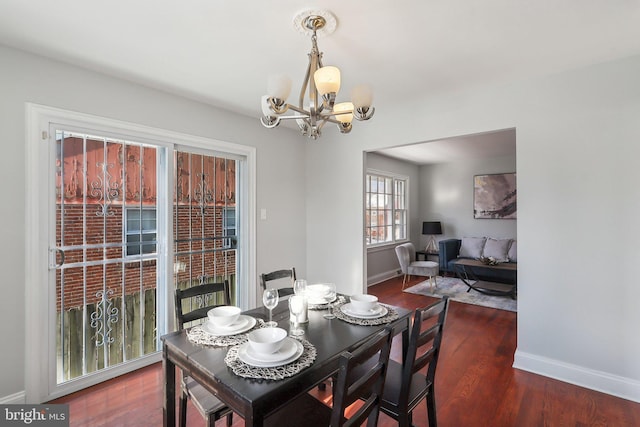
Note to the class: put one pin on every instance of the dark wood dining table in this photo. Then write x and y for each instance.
(254, 399)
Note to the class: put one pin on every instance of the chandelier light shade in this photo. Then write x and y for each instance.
(327, 80)
(279, 86)
(319, 90)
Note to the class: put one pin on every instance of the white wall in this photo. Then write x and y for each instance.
(577, 154)
(27, 78)
(447, 196)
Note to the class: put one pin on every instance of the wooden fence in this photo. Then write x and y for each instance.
(133, 332)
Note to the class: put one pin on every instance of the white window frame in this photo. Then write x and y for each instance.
(226, 228)
(394, 178)
(142, 232)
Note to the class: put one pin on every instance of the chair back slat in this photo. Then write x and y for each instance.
(277, 275)
(424, 345)
(190, 294)
(374, 356)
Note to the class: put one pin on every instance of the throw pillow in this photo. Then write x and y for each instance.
(513, 252)
(471, 247)
(497, 249)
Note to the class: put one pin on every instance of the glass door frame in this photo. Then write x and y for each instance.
(40, 342)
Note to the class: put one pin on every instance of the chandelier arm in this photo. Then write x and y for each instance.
(330, 119)
(314, 64)
(303, 89)
(302, 111)
(293, 117)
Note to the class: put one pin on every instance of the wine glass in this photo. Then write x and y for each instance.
(270, 299)
(296, 305)
(300, 286)
(331, 295)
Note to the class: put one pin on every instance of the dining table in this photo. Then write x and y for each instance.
(254, 399)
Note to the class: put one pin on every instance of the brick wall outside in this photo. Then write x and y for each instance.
(129, 276)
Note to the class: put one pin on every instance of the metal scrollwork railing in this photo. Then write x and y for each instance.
(105, 189)
(202, 194)
(103, 317)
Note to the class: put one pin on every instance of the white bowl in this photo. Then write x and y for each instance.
(224, 315)
(318, 293)
(364, 302)
(266, 340)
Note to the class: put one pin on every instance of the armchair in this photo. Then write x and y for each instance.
(406, 253)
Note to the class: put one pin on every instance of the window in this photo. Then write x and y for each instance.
(385, 208)
(229, 225)
(140, 228)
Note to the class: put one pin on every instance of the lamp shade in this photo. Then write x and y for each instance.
(362, 96)
(431, 227)
(327, 80)
(279, 86)
(344, 106)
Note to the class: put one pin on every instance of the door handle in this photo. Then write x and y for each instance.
(52, 259)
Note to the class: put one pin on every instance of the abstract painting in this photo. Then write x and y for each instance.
(494, 196)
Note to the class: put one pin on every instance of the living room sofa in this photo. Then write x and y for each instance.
(500, 250)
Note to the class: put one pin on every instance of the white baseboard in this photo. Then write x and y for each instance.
(604, 382)
(381, 277)
(19, 398)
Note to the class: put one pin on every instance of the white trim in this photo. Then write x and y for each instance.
(604, 382)
(381, 277)
(371, 171)
(37, 291)
(407, 209)
(14, 399)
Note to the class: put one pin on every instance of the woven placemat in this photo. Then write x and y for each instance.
(339, 301)
(391, 315)
(276, 373)
(197, 335)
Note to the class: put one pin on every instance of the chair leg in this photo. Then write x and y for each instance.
(404, 420)
(182, 410)
(431, 407)
(211, 420)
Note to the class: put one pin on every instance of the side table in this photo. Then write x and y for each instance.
(428, 256)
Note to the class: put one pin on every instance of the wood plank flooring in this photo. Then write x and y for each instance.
(475, 383)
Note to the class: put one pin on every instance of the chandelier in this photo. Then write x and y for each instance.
(323, 84)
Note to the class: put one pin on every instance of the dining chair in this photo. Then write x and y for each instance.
(406, 385)
(277, 276)
(199, 300)
(306, 410)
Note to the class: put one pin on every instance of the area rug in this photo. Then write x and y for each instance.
(457, 291)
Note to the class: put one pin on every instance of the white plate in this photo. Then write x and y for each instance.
(243, 324)
(371, 314)
(321, 301)
(318, 294)
(246, 358)
(287, 350)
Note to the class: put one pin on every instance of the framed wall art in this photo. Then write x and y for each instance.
(494, 196)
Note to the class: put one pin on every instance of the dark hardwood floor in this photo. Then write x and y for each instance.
(475, 383)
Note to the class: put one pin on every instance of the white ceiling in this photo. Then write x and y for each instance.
(221, 52)
(485, 145)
